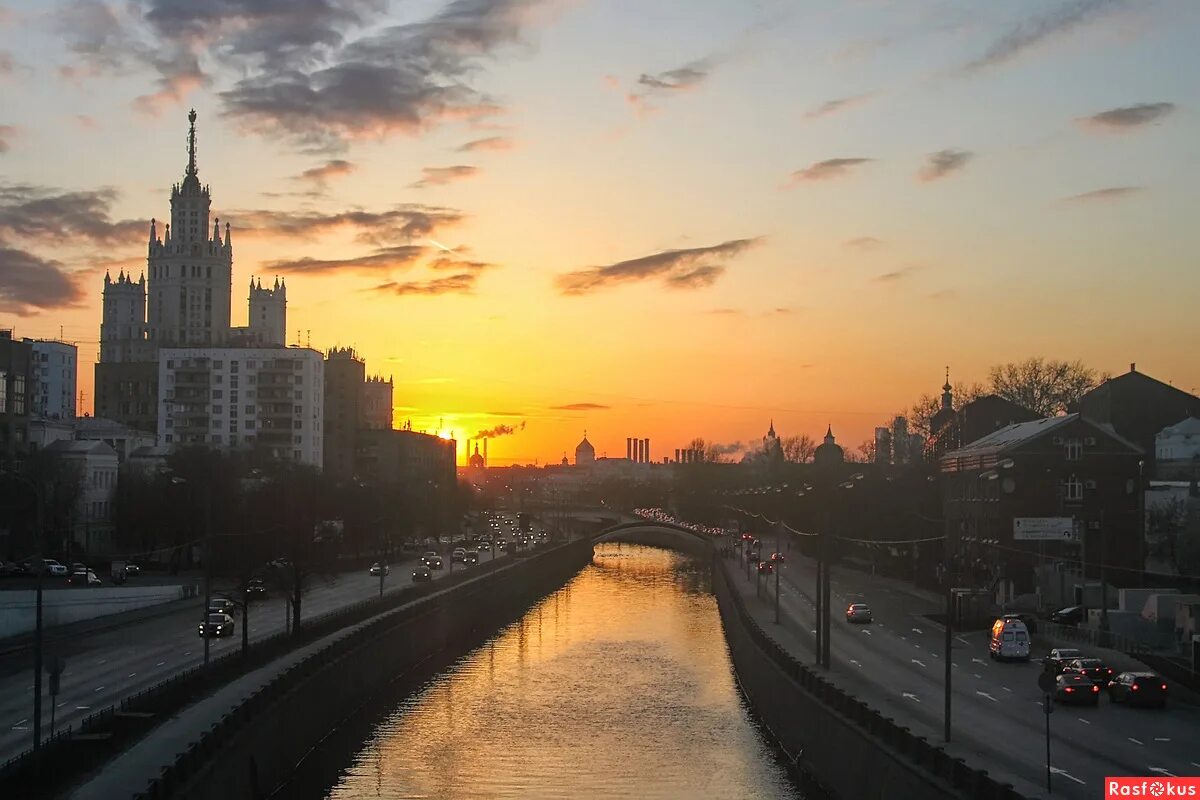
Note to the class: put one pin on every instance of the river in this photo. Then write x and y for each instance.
(618, 685)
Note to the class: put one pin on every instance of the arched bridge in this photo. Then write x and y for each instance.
(657, 534)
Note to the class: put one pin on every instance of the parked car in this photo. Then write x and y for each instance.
(1138, 689)
(1059, 657)
(11, 569)
(1075, 687)
(434, 563)
(1099, 672)
(54, 568)
(421, 574)
(378, 569)
(84, 577)
(216, 624)
(78, 566)
(1071, 615)
(858, 612)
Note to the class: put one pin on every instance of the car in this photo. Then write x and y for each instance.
(256, 587)
(1009, 640)
(858, 612)
(84, 577)
(220, 605)
(1071, 615)
(132, 569)
(1075, 687)
(377, 569)
(765, 568)
(1059, 657)
(421, 574)
(279, 563)
(472, 557)
(434, 563)
(216, 624)
(1138, 689)
(502, 544)
(428, 554)
(52, 567)
(778, 558)
(1094, 668)
(78, 566)
(459, 554)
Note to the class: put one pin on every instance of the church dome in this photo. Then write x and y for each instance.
(584, 452)
(829, 451)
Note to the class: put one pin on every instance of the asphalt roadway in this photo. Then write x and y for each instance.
(896, 665)
(110, 663)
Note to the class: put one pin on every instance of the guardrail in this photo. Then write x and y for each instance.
(966, 780)
(105, 733)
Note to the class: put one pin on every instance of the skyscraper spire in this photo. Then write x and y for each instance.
(191, 167)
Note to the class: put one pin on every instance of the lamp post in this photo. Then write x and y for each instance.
(207, 556)
(39, 569)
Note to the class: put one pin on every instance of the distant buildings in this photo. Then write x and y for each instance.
(1177, 450)
(585, 453)
(54, 370)
(828, 454)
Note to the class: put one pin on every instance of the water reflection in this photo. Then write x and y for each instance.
(618, 685)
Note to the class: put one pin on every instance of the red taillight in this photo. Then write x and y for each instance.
(1135, 687)
(1164, 687)
(1070, 689)
(1095, 688)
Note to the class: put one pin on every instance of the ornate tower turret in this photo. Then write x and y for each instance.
(123, 320)
(268, 312)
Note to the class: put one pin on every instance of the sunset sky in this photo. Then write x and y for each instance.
(659, 218)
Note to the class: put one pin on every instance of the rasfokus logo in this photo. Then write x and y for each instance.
(1151, 787)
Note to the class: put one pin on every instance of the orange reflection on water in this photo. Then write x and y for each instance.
(618, 685)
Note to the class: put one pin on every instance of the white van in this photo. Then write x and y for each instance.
(1010, 640)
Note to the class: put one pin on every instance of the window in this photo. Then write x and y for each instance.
(218, 410)
(249, 409)
(216, 423)
(249, 424)
(218, 365)
(169, 438)
(1073, 449)
(297, 424)
(1072, 488)
(217, 394)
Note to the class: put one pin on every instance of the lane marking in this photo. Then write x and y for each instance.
(855, 663)
(867, 632)
(918, 631)
(918, 663)
(22, 722)
(1135, 741)
(1196, 763)
(935, 655)
(978, 661)
(1161, 739)
(977, 675)
(98, 688)
(961, 639)
(60, 705)
(985, 694)
(130, 675)
(159, 664)
(954, 663)
(1005, 688)
(1084, 721)
(911, 696)
(82, 708)
(1162, 771)
(1066, 775)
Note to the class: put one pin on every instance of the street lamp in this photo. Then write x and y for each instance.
(178, 481)
(39, 568)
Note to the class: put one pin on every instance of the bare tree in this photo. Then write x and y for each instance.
(705, 452)
(799, 449)
(922, 412)
(866, 452)
(1044, 387)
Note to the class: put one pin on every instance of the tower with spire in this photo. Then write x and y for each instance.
(267, 320)
(190, 269)
(123, 336)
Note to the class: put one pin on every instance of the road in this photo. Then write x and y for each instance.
(896, 665)
(105, 666)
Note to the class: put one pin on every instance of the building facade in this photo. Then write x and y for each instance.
(268, 399)
(54, 379)
(403, 457)
(377, 401)
(16, 385)
(345, 376)
(1056, 467)
(96, 464)
(1138, 407)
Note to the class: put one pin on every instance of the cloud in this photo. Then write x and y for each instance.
(488, 143)
(940, 164)
(1057, 21)
(725, 312)
(499, 430)
(451, 284)
(399, 224)
(827, 170)
(457, 265)
(8, 64)
(320, 176)
(943, 294)
(729, 449)
(581, 407)
(440, 176)
(385, 259)
(677, 268)
(673, 81)
(87, 122)
(896, 276)
(29, 284)
(399, 79)
(864, 243)
(7, 134)
(1108, 194)
(1127, 117)
(840, 104)
(37, 212)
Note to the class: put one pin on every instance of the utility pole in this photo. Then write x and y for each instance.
(39, 569)
(778, 566)
(817, 617)
(947, 659)
(1103, 581)
(207, 564)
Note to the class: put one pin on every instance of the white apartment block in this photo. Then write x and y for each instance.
(54, 375)
(228, 398)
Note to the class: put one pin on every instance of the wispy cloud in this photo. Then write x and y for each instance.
(690, 268)
(38, 212)
(488, 143)
(1061, 19)
(672, 81)
(440, 176)
(451, 284)
(499, 430)
(8, 64)
(942, 163)
(29, 283)
(448, 264)
(1127, 117)
(834, 106)
(399, 224)
(384, 259)
(319, 176)
(1109, 194)
(7, 134)
(87, 122)
(895, 276)
(864, 243)
(581, 407)
(827, 170)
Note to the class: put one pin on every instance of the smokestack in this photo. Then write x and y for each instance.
(641, 451)
(676, 455)
(485, 461)
(629, 448)
(648, 458)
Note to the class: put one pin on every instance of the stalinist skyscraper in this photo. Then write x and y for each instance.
(182, 300)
